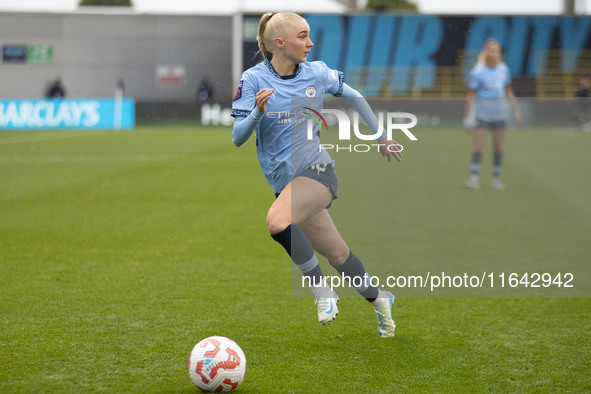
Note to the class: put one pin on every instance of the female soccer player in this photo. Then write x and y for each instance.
(299, 221)
(489, 86)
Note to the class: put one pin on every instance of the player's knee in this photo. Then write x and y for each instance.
(276, 222)
(339, 256)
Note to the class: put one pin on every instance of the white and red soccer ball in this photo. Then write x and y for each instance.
(217, 364)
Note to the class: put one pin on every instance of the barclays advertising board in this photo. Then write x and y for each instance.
(67, 114)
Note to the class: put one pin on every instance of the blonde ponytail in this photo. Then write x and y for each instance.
(263, 50)
(272, 26)
(482, 56)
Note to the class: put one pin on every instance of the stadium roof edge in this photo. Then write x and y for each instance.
(179, 7)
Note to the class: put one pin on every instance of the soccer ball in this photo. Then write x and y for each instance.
(217, 364)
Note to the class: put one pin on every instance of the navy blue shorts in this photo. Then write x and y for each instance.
(323, 173)
(497, 125)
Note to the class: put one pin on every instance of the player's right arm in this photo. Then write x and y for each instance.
(246, 121)
(473, 86)
(468, 121)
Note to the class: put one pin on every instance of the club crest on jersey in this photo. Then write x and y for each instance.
(311, 91)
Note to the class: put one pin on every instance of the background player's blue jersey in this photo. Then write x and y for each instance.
(489, 84)
(283, 147)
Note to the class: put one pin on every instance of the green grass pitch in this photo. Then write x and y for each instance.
(121, 250)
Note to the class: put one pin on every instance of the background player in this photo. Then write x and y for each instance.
(489, 87)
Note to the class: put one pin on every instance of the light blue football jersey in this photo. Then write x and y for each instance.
(489, 84)
(283, 146)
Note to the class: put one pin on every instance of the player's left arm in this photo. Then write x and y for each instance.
(511, 96)
(388, 148)
(513, 101)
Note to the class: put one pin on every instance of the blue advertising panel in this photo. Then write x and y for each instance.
(392, 54)
(14, 53)
(67, 114)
